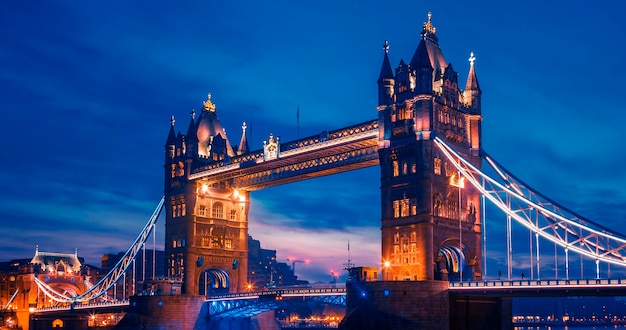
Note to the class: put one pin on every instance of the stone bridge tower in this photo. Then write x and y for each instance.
(206, 224)
(431, 221)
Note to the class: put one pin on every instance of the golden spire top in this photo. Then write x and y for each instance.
(428, 26)
(208, 105)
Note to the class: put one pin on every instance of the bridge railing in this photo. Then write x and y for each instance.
(539, 283)
(288, 292)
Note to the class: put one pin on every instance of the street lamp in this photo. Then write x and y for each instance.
(387, 264)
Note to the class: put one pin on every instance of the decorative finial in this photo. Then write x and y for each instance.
(172, 120)
(386, 46)
(472, 58)
(208, 105)
(428, 26)
(243, 127)
(193, 113)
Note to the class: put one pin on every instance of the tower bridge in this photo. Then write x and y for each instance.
(427, 142)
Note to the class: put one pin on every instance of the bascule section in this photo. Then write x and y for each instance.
(431, 221)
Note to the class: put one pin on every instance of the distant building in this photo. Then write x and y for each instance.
(265, 272)
(62, 272)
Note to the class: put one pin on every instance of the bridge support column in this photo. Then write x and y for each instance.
(401, 305)
(480, 312)
(164, 312)
(397, 305)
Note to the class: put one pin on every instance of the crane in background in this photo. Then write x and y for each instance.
(293, 261)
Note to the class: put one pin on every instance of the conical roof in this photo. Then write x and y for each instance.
(472, 80)
(243, 143)
(385, 70)
(171, 137)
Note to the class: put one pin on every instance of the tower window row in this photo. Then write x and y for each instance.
(404, 207)
(404, 167)
(179, 208)
(217, 211)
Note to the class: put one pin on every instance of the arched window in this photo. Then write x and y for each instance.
(218, 210)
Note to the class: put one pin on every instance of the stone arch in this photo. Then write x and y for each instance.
(213, 281)
(58, 323)
(405, 275)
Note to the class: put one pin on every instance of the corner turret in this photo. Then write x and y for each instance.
(170, 144)
(386, 80)
(243, 143)
(472, 92)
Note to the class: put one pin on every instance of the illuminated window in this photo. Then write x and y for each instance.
(405, 168)
(413, 236)
(218, 211)
(437, 165)
(206, 241)
(233, 215)
(396, 248)
(396, 209)
(413, 167)
(404, 208)
(396, 170)
(202, 210)
(228, 243)
(413, 206)
(396, 238)
(413, 247)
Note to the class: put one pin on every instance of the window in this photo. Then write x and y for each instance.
(218, 210)
(413, 236)
(404, 208)
(405, 168)
(396, 170)
(396, 209)
(437, 165)
(228, 243)
(202, 210)
(233, 215)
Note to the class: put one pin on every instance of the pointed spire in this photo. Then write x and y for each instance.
(421, 59)
(191, 130)
(386, 79)
(243, 143)
(472, 80)
(171, 137)
(385, 70)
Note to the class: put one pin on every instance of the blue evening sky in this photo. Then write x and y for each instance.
(87, 90)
